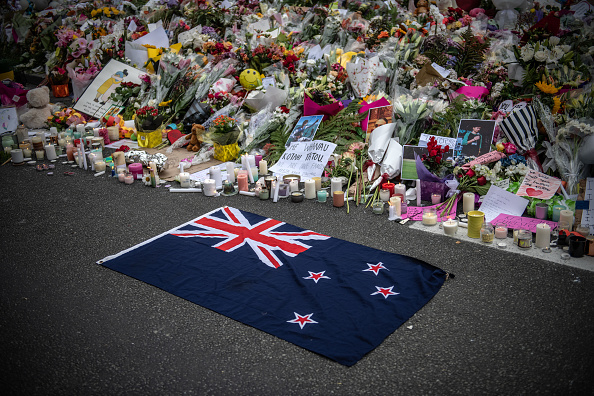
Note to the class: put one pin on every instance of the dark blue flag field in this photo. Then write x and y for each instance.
(333, 297)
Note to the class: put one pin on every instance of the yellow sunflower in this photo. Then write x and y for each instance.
(547, 88)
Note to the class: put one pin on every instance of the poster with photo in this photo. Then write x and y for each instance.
(305, 129)
(409, 165)
(378, 116)
(474, 137)
(95, 100)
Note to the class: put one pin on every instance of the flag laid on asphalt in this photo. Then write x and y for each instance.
(333, 297)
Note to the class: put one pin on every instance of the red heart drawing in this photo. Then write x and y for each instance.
(533, 192)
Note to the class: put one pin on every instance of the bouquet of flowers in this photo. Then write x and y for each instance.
(224, 130)
(148, 119)
(434, 161)
(58, 76)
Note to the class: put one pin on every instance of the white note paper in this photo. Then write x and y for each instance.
(499, 201)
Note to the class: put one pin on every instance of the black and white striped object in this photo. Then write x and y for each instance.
(521, 128)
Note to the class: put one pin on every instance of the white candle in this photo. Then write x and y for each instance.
(254, 171)
(310, 188)
(500, 232)
(467, 202)
(80, 128)
(400, 189)
(17, 156)
(566, 216)
(50, 152)
(184, 179)
(251, 161)
(249, 169)
(293, 185)
(335, 185)
(27, 152)
(62, 142)
(384, 195)
(39, 154)
(429, 218)
(450, 227)
(209, 187)
(263, 165)
(230, 172)
(397, 205)
(318, 181)
(100, 166)
(215, 174)
(543, 235)
(418, 192)
(391, 210)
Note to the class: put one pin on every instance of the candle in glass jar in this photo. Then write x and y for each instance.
(209, 187)
(543, 235)
(294, 185)
(335, 185)
(318, 181)
(100, 166)
(310, 189)
(500, 231)
(467, 202)
(39, 154)
(338, 199)
(566, 216)
(128, 178)
(450, 227)
(384, 194)
(254, 173)
(429, 217)
(435, 198)
(184, 179)
(27, 152)
(557, 212)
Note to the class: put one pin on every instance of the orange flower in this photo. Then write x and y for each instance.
(383, 34)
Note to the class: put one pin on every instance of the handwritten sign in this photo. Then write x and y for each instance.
(506, 106)
(491, 156)
(580, 9)
(517, 222)
(538, 185)
(416, 212)
(499, 201)
(306, 159)
(441, 140)
(588, 214)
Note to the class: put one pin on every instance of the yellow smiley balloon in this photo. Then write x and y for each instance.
(250, 79)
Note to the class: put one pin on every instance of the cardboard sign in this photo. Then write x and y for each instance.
(538, 185)
(306, 159)
(517, 222)
(95, 100)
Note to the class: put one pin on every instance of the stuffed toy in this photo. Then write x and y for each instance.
(39, 108)
(193, 137)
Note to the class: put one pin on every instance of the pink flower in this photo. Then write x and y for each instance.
(510, 148)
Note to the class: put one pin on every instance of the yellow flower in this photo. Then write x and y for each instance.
(458, 24)
(165, 104)
(557, 105)
(500, 147)
(546, 88)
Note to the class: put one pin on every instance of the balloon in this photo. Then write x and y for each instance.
(250, 79)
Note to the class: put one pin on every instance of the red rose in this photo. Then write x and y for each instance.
(481, 180)
(438, 159)
(470, 173)
(433, 153)
(446, 149)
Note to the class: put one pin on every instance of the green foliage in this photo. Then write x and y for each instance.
(435, 48)
(468, 53)
(342, 129)
(278, 139)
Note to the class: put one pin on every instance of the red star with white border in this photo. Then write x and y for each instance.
(375, 268)
(316, 276)
(385, 291)
(302, 320)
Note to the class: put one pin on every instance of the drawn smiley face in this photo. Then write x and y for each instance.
(250, 79)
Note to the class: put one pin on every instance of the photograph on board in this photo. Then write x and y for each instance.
(474, 137)
(305, 129)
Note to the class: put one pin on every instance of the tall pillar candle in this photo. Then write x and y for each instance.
(263, 166)
(251, 160)
(543, 235)
(310, 189)
(566, 215)
(50, 152)
(215, 174)
(230, 172)
(242, 181)
(257, 159)
(397, 203)
(400, 189)
(467, 202)
(335, 185)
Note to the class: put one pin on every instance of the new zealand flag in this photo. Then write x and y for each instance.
(330, 296)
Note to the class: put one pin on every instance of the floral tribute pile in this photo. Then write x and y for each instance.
(265, 64)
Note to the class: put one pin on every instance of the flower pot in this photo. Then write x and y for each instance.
(60, 90)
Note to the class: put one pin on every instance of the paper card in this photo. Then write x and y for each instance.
(506, 106)
(441, 140)
(416, 212)
(474, 137)
(362, 74)
(580, 9)
(504, 184)
(95, 100)
(9, 120)
(377, 117)
(517, 222)
(499, 201)
(442, 71)
(305, 129)
(132, 26)
(307, 159)
(366, 106)
(158, 38)
(122, 142)
(538, 185)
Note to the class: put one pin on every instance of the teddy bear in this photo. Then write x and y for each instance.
(422, 8)
(194, 144)
(40, 110)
